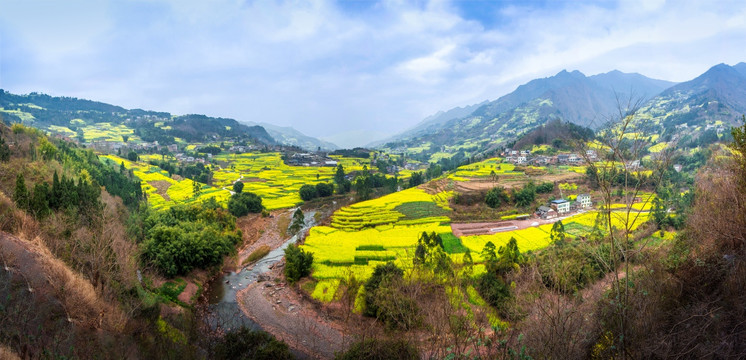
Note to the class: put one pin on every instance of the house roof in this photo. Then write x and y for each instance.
(584, 195)
(545, 208)
(560, 201)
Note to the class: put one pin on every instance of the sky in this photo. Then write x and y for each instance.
(346, 71)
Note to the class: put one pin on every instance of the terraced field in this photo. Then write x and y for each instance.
(373, 232)
(266, 175)
(163, 191)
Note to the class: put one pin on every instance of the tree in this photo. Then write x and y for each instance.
(558, 232)
(21, 194)
(125, 138)
(626, 144)
(196, 189)
(324, 189)
(39, 204)
(415, 179)
(298, 221)
(343, 185)
(132, 155)
(297, 263)
(307, 192)
(238, 187)
(246, 344)
(496, 196)
(4, 151)
(244, 203)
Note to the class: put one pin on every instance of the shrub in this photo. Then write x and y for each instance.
(496, 196)
(385, 298)
(297, 263)
(244, 203)
(186, 237)
(308, 192)
(247, 344)
(324, 189)
(381, 349)
(545, 188)
(238, 187)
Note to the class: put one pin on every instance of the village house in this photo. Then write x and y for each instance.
(546, 212)
(584, 201)
(562, 158)
(562, 206)
(678, 167)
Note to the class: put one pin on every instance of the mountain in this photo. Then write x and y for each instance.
(432, 123)
(626, 84)
(92, 121)
(715, 98)
(289, 136)
(569, 96)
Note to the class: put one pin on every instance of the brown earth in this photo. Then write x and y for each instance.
(162, 188)
(289, 315)
(482, 184)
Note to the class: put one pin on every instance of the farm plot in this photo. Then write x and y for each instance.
(266, 175)
(374, 232)
(107, 132)
(483, 169)
(163, 191)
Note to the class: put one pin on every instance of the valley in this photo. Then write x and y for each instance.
(480, 232)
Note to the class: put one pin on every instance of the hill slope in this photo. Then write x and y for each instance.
(289, 136)
(569, 96)
(92, 121)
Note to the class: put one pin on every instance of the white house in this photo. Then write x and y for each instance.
(584, 200)
(562, 206)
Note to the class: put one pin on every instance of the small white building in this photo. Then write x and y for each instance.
(584, 200)
(562, 206)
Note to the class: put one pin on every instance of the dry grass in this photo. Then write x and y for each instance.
(8, 354)
(256, 255)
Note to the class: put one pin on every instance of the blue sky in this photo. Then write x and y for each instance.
(347, 71)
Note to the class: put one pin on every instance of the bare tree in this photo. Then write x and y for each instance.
(623, 165)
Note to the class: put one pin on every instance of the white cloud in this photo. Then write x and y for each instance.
(328, 71)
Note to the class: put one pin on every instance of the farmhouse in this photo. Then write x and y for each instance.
(562, 206)
(546, 212)
(584, 200)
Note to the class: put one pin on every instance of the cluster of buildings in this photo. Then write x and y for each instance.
(561, 206)
(524, 157)
(308, 159)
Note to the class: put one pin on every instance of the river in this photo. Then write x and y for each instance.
(222, 305)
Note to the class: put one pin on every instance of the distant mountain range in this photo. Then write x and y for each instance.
(91, 121)
(718, 95)
(287, 135)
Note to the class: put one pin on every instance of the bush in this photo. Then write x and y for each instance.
(186, 237)
(244, 203)
(308, 192)
(496, 196)
(324, 189)
(493, 289)
(297, 263)
(395, 349)
(387, 300)
(238, 187)
(247, 344)
(545, 188)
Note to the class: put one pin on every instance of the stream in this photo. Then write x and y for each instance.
(222, 308)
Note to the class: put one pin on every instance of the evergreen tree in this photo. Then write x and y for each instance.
(21, 194)
(4, 151)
